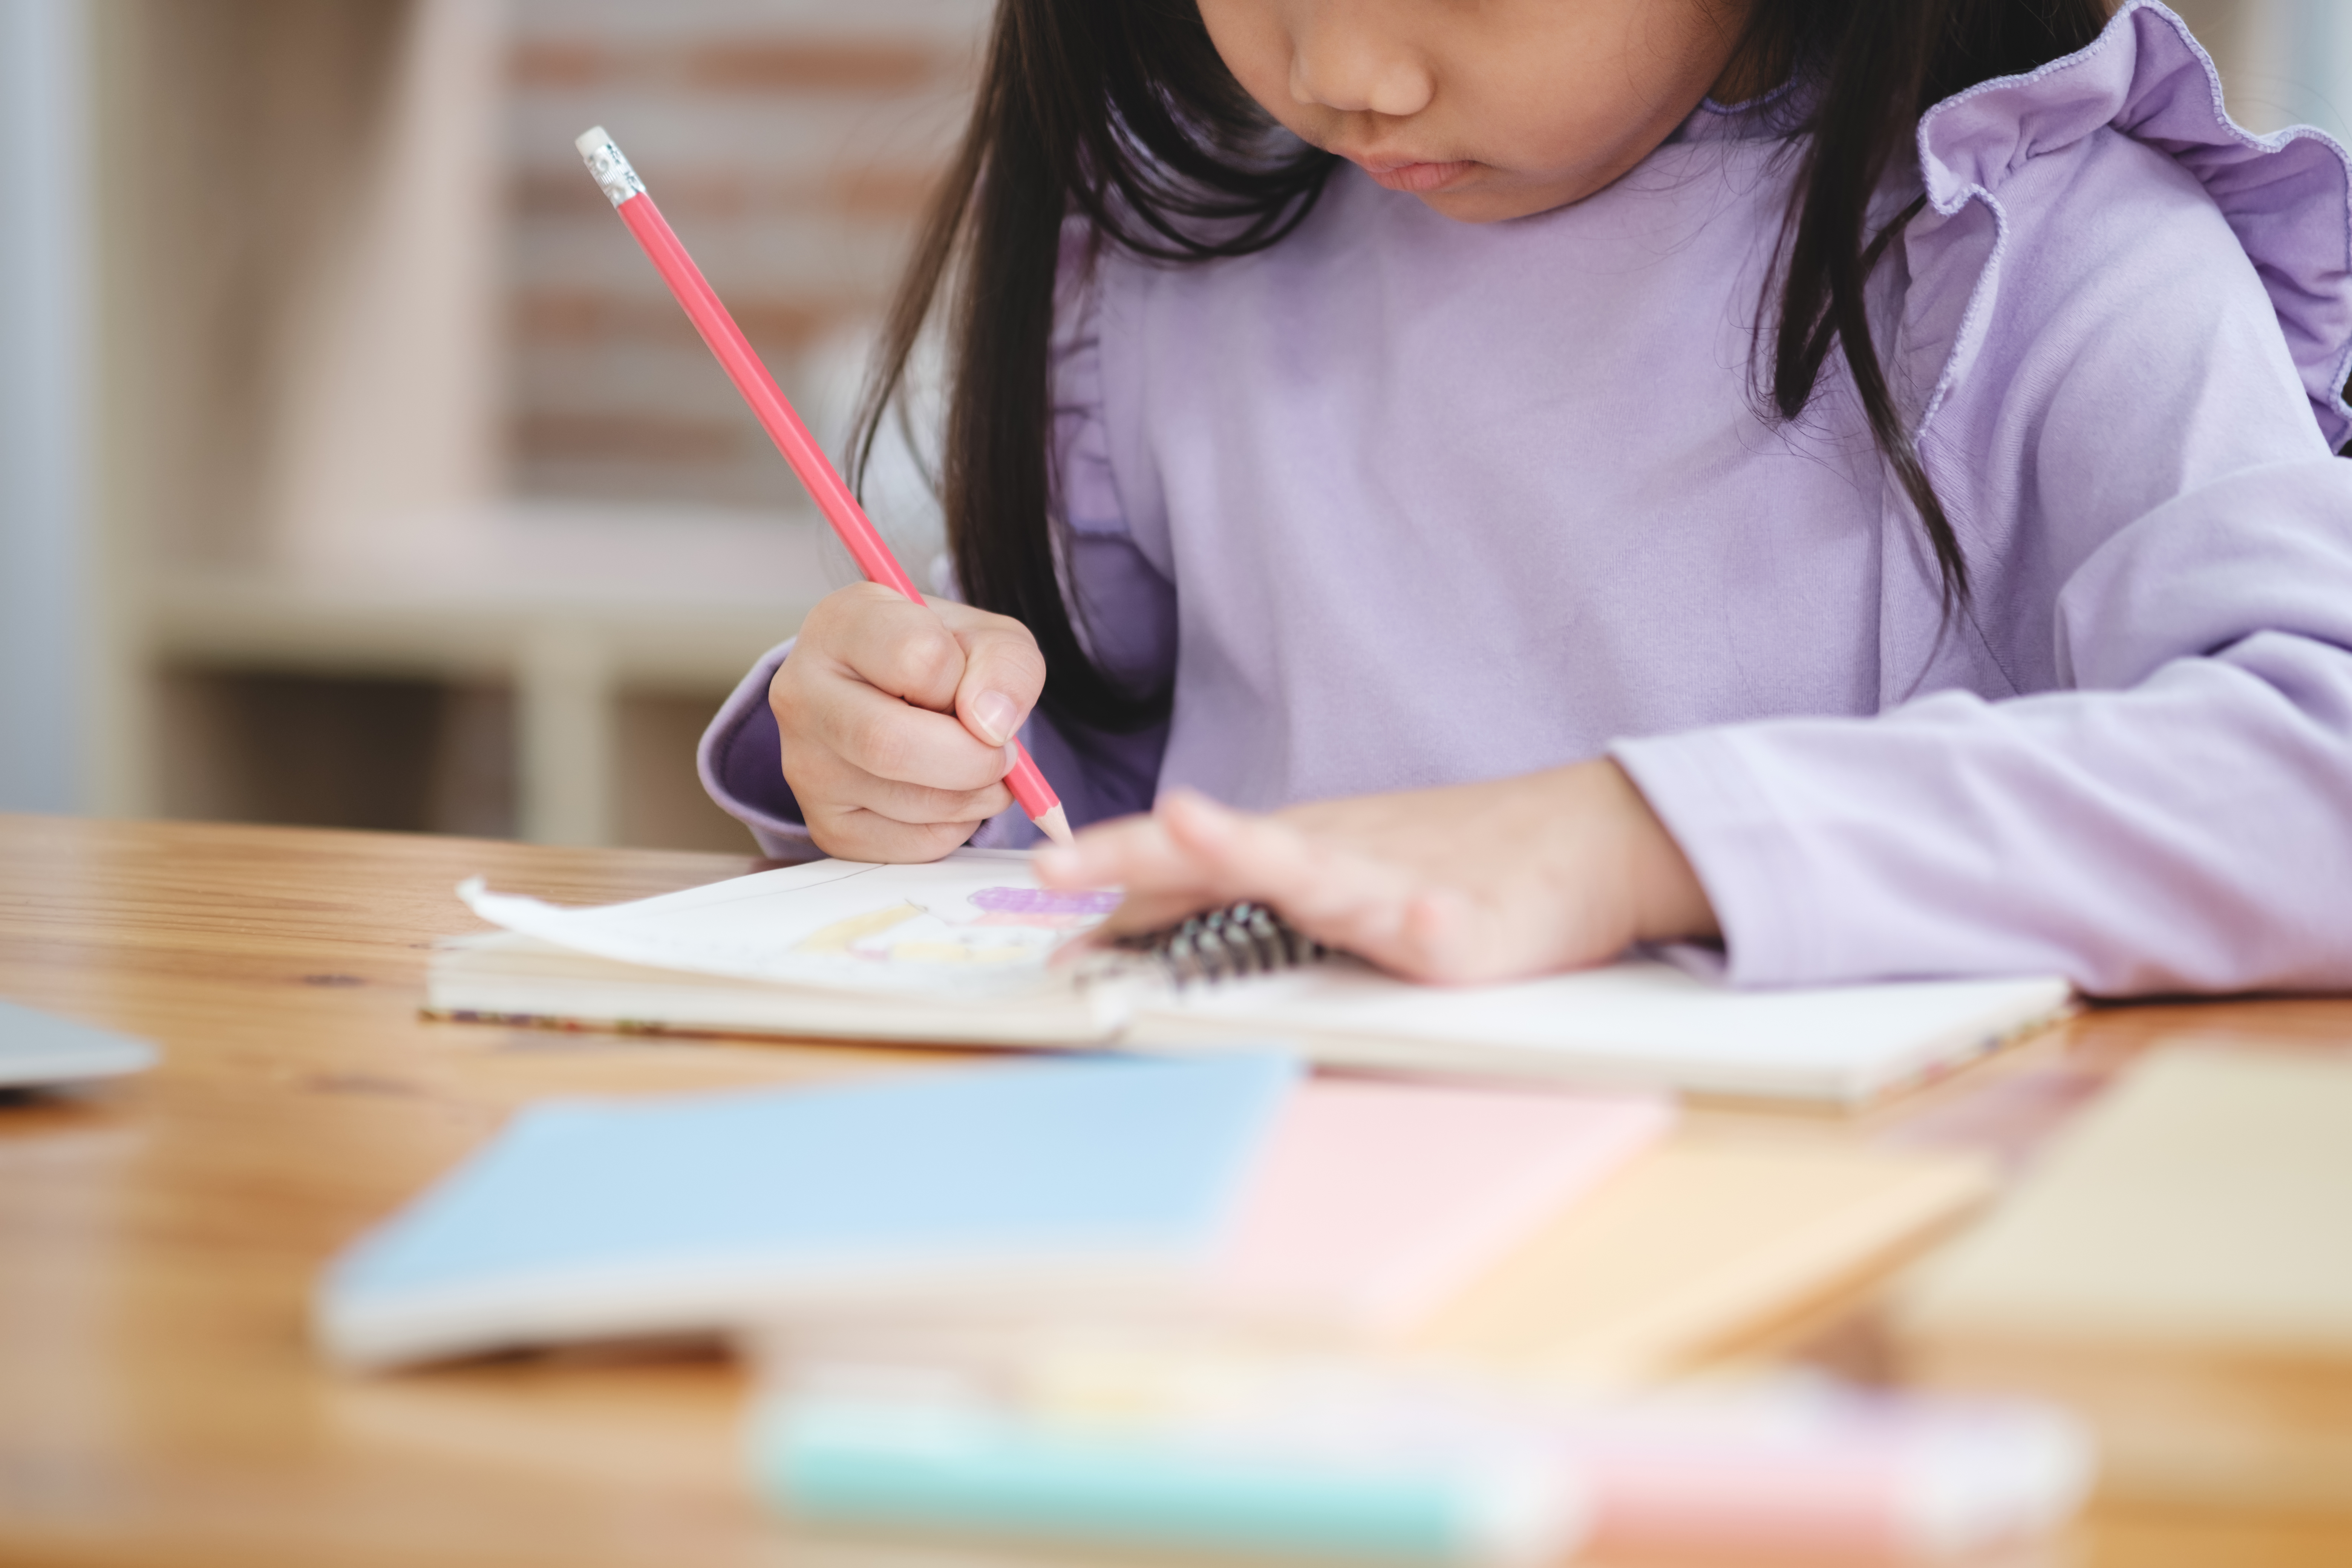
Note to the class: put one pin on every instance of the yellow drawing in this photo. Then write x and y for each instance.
(911, 934)
(842, 935)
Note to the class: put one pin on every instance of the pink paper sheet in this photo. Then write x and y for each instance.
(1377, 1201)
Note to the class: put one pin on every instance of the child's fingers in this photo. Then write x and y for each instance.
(1338, 897)
(1236, 855)
(1133, 853)
(852, 833)
(882, 767)
(1332, 895)
(890, 642)
(1444, 940)
(1451, 936)
(1140, 914)
(1336, 879)
(834, 778)
(881, 735)
(1002, 672)
(1344, 896)
(1191, 854)
(1109, 854)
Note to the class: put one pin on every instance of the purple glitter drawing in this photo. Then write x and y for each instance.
(1043, 901)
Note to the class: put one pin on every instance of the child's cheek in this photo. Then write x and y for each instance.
(1250, 38)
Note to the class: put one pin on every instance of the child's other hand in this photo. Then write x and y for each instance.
(1475, 882)
(894, 720)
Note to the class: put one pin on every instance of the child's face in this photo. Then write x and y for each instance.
(1484, 108)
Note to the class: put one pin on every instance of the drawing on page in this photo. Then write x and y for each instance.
(969, 926)
(988, 925)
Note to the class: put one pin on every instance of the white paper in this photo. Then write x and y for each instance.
(976, 924)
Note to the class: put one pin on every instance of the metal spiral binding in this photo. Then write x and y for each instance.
(1239, 939)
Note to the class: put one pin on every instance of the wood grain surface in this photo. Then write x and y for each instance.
(159, 1236)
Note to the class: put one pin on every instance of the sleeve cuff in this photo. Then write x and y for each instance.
(740, 762)
(1743, 853)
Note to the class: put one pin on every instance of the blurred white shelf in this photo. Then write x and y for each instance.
(568, 606)
(668, 600)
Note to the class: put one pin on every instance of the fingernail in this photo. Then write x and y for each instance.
(995, 714)
(1012, 760)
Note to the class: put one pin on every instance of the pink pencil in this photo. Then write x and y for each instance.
(620, 182)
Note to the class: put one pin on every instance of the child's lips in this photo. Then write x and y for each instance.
(1420, 178)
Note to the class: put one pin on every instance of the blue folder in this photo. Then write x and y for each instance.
(709, 1212)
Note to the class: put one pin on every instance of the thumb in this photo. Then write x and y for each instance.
(1003, 675)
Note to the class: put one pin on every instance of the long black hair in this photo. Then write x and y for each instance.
(1119, 113)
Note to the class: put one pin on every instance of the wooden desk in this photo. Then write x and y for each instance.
(158, 1238)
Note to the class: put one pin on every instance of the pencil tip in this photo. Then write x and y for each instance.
(1056, 826)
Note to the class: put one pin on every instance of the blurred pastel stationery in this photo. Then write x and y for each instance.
(933, 1465)
(968, 951)
(1160, 1444)
(1692, 1249)
(1377, 1202)
(38, 1049)
(1066, 1181)
(1662, 1255)
(1211, 1188)
(2179, 1269)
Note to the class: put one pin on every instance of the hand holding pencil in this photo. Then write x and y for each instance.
(873, 769)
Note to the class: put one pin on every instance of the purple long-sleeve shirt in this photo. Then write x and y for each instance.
(1403, 501)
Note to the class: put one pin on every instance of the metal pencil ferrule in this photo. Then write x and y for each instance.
(613, 176)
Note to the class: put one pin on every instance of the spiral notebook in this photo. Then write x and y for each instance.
(971, 950)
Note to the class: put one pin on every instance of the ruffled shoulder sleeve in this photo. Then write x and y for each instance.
(2287, 197)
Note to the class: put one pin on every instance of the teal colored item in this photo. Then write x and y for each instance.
(968, 1469)
(588, 1218)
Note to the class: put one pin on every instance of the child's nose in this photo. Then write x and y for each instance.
(1342, 61)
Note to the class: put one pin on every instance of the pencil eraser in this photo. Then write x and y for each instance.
(613, 176)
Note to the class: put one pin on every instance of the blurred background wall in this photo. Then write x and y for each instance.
(46, 565)
(412, 501)
(354, 466)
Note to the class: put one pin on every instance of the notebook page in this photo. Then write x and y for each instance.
(975, 925)
(1639, 1022)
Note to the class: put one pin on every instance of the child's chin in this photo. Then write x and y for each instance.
(1484, 196)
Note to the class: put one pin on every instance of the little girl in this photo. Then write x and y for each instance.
(1846, 480)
